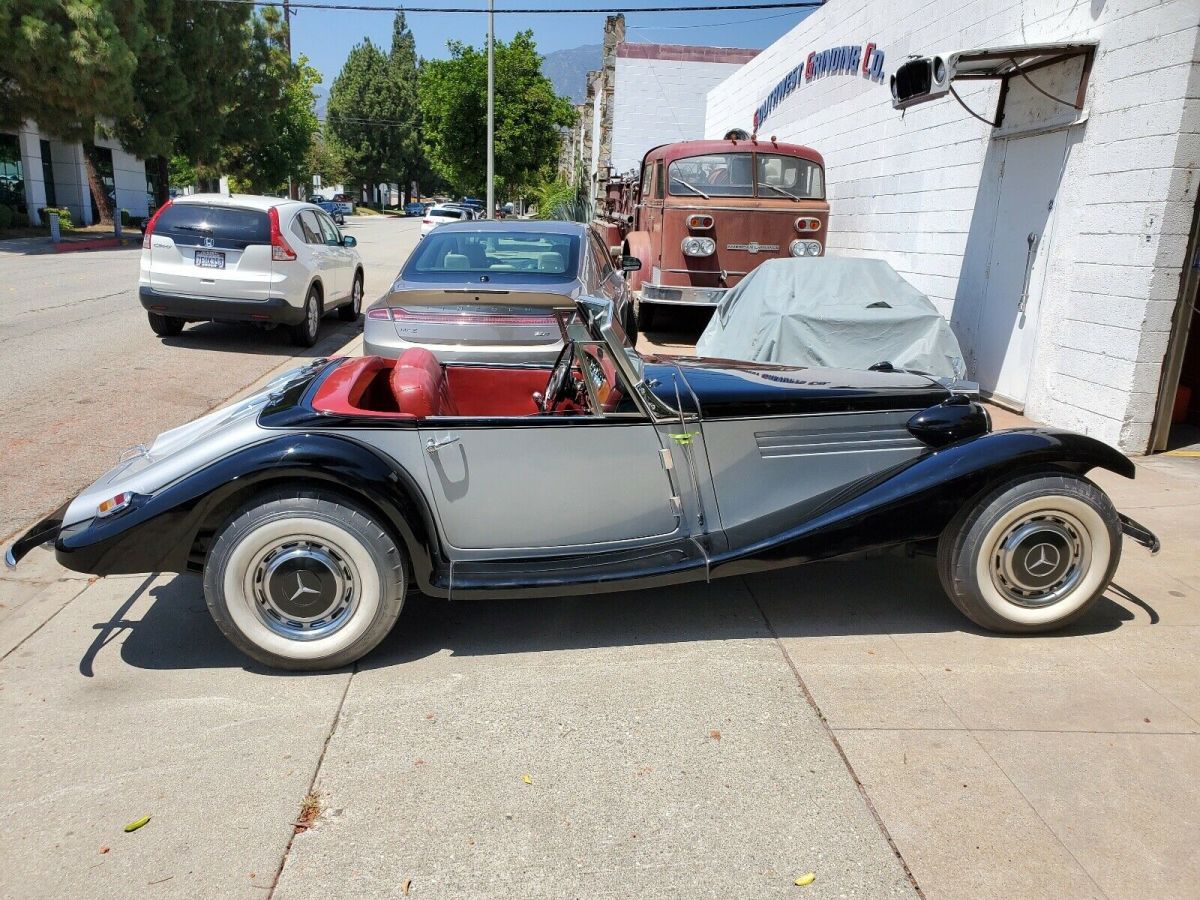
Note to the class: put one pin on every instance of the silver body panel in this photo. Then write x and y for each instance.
(766, 464)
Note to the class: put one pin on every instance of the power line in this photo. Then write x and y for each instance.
(633, 10)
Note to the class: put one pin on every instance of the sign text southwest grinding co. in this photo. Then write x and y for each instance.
(866, 60)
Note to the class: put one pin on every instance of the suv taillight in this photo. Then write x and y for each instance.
(149, 229)
(281, 251)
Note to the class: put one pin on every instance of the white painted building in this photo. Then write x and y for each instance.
(1061, 243)
(40, 171)
(660, 95)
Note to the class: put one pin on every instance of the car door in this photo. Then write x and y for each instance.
(546, 485)
(341, 258)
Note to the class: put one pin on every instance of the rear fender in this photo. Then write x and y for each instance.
(172, 530)
(914, 501)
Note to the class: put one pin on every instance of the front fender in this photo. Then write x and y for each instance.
(913, 501)
(170, 530)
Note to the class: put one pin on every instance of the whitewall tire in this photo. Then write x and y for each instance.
(1031, 555)
(304, 581)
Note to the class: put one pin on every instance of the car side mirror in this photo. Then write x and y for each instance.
(630, 264)
(348, 240)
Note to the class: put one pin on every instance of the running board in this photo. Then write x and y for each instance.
(549, 576)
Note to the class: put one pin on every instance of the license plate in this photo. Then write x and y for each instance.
(210, 259)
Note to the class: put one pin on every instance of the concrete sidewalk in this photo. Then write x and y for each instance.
(706, 740)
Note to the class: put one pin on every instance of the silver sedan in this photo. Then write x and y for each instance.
(486, 291)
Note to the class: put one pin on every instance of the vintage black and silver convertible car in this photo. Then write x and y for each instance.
(312, 509)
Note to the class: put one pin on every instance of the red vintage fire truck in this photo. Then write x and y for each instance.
(702, 214)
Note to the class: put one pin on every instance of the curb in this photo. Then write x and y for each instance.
(96, 244)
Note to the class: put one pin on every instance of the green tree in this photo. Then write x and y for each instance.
(373, 112)
(69, 64)
(325, 158)
(528, 115)
(174, 112)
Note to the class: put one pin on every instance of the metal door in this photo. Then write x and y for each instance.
(1006, 335)
(599, 485)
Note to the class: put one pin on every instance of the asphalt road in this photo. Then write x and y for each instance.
(85, 377)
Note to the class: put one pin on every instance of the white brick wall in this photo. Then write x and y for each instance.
(658, 101)
(910, 187)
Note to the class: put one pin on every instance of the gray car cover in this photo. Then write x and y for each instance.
(832, 311)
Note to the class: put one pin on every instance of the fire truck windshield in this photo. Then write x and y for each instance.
(746, 175)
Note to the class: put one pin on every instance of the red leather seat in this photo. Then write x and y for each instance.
(419, 385)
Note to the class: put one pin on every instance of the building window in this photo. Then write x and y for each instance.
(12, 177)
(48, 175)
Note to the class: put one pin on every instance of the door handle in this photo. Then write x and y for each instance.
(1032, 242)
(432, 446)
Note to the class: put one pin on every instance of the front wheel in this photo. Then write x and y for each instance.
(304, 581)
(1032, 555)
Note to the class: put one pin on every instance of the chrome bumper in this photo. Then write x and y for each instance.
(1140, 533)
(678, 295)
(43, 532)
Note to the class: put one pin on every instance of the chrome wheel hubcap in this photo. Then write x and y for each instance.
(1040, 558)
(358, 289)
(304, 589)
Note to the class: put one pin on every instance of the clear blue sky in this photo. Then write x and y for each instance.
(326, 37)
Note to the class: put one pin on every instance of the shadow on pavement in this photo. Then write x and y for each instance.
(224, 337)
(865, 597)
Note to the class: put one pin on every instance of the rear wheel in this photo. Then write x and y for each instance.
(1032, 555)
(348, 312)
(304, 581)
(165, 326)
(305, 334)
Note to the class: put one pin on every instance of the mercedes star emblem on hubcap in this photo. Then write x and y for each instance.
(301, 589)
(1042, 559)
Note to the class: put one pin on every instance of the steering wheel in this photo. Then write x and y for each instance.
(561, 386)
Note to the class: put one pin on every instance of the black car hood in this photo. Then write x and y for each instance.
(727, 388)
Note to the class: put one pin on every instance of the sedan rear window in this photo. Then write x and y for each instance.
(447, 213)
(191, 223)
(530, 255)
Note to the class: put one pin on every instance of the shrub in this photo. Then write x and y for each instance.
(7, 216)
(138, 222)
(125, 218)
(64, 216)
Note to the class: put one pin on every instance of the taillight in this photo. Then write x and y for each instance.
(700, 223)
(427, 221)
(281, 251)
(149, 229)
(382, 313)
(400, 314)
(805, 223)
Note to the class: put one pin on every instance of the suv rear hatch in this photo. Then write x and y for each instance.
(212, 250)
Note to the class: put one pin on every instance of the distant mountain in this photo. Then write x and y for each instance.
(567, 69)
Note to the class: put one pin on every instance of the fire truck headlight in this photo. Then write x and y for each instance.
(805, 248)
(698, 246)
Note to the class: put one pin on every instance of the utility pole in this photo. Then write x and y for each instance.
(491, 112)
(293, 189)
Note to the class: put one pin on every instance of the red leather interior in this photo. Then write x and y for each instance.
(483, 391)
(419, 385)
(359, 386)
(416, 385)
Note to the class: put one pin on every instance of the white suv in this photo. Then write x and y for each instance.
(212, 257)
(440, 214)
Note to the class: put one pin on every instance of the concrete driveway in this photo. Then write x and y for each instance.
(713, 740)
